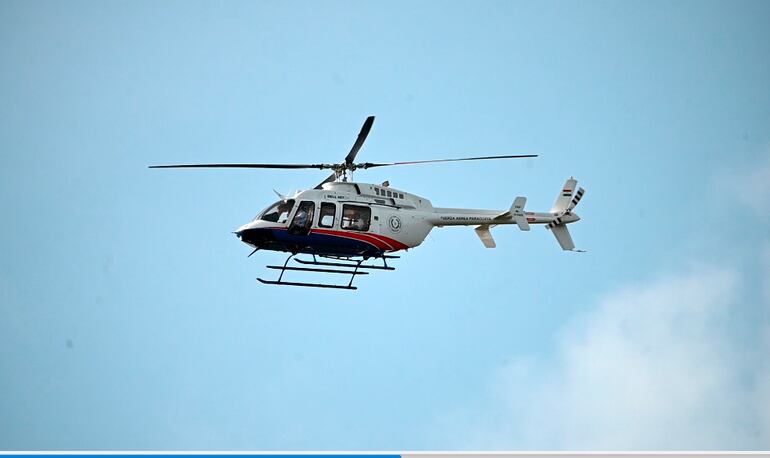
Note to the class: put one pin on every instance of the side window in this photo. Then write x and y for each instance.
(356, 218)
(326, 217)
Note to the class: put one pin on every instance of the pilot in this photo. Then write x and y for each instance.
(348, 219)
(283, 211)
(301, 219)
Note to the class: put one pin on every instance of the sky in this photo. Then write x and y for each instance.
(130, 317)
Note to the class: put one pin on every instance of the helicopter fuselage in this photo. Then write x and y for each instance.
(361, 219)
(341, 219)
(352, 222)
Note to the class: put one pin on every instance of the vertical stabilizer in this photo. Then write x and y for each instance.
(561, 233)
(565, 196)
(485, 236)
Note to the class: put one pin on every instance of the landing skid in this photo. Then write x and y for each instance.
(352, 267)
(306, 285)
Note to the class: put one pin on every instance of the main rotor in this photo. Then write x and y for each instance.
(342, 170)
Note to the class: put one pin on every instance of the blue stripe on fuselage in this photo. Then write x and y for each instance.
(279, 239)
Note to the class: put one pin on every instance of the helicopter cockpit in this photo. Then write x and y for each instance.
(277, 213)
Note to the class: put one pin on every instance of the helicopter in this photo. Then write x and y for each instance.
(340, 225)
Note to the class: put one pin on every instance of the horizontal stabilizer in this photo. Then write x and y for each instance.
(561, 233)
(485, 236)
(517, 213)
(517, 209)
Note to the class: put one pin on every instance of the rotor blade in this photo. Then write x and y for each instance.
(368, 165)
(360, 140)
(328, 179)
(244, 166)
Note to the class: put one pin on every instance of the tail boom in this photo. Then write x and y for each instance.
(556, 220)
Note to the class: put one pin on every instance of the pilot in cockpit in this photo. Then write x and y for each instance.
(301, 219)
(283, 211)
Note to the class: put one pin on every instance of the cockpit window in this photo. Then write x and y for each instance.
(278, 212)
(303, 218)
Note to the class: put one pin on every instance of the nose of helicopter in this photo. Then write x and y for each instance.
(251, 233)
(241, 231)
(245, 234)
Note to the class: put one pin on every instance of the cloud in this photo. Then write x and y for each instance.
(651, 366)
(655, 366)
(679, 362)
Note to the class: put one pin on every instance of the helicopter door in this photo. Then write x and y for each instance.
(303, 218)
(376, 215)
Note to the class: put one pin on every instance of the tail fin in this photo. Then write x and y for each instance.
(485, 236)
(563, 201)
(576, 199)
(562, 213)
(561, 233)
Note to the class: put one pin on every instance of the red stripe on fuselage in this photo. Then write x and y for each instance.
(361, 237)
(393, 242)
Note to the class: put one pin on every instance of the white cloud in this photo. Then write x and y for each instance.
(653, 367)
(680, 362)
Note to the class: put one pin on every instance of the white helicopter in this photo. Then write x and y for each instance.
(346, 223)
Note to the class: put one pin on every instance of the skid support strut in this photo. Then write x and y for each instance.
(345, 266)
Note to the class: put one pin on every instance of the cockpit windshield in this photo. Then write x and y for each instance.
(278, 212)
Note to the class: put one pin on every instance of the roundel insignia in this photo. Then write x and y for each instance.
(395, 223)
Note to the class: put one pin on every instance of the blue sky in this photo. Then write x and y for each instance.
(130, 317)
